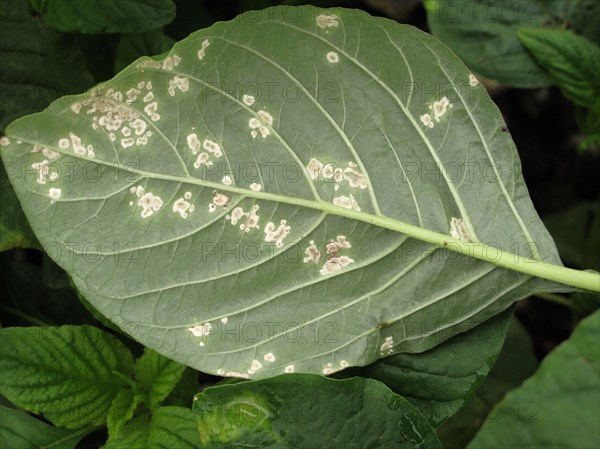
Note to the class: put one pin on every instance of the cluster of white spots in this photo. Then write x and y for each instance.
(344, 364)
(248, 100)
(317, 169)
(225, 320)
(112, 115)
(458, 230)
(330, 369)
(171, 61)
(178, 82)
(289, 369)
(218, 200)
(387, 346)
(269, 357)
(182, 206)
(348, 202)
(236, 374)
(209, 147)
(277, 234)
(202, 51)
(333, 57)
(256, 187)
(54, 193)
(312, 253)
(473, 81)
(149, 202)
(250, 218)
(4, 141)
(327, 21)
(335, 245)
(261, 124)
(43, 174)
(438, 109)
(335, 263)
(227, 180)
(256, 365)
(201, 330)
(78, 148)
(47, 152)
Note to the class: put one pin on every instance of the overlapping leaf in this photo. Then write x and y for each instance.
(236, 205)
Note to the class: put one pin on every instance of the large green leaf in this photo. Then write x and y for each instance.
(18, 430)
(483, 32)
(100, 16)
(71, 374)
(307, 411)
(439, 381)
(186, 212)
(559, 406)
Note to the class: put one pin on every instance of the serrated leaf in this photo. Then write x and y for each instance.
(169, 427)
(67, 373)
(135, 45)
(559, 406)
(307, 411)
(484, 33)
(158, 375)
(438, 382)
(572, 62)
(18, 430)
(516, 362)
(211, 264)
(121, 411)
(99, 16)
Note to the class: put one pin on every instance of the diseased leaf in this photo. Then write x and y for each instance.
(99, 16)
(438, 382)
(158, 375)
(68, 373)
(205, 237)
(18, 430)
(571, 62)
(559, 406)
(516, 362)
(483, 33)
(307, 411)
(135, 45)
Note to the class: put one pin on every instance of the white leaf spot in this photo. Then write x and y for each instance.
(458, 230)
(426, 120)
(289, 369)
(63, 143)
(54, 193)
(178, 82)
(333, 57)
(473, 81)
(201, 330)
(256, 187)
(126, 143)
(187, 195)
(269, 357)
(334, 264)
(440, 107)
(227, 180)
(212, 147)
(312, 253)
(220, 199)
(314, 168)
(349, 202)
(278, 234)
(149, 204)
(248, 100)
(355, 178)
(327, 21)
(181, 206)
(386, 347)
(224, 320)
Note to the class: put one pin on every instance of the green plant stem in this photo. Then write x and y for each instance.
(129, 381)
(581, 279)
(557, 299)
(25, 316)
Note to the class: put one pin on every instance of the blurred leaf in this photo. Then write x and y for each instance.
(121, 411)
(135, 45)
(309, 411)
(576, 232)
(438, 382)
(184, 391)
(67, 373)
(516, 363)
(559, 406)
(158, 375)
(100, 16)
(38, 65)
(18, 430)
(571, 62)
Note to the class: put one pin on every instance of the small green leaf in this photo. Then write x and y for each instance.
(121, 410)
(169, 428)
(516, 362)
(308, 411)
(18, 430)
(71, 374)
(559, 406)
(158, 375)
(438, 382)
(100, 16)
(135, 45)
(572, 62)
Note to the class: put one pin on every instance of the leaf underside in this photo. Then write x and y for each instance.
(260, 99)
